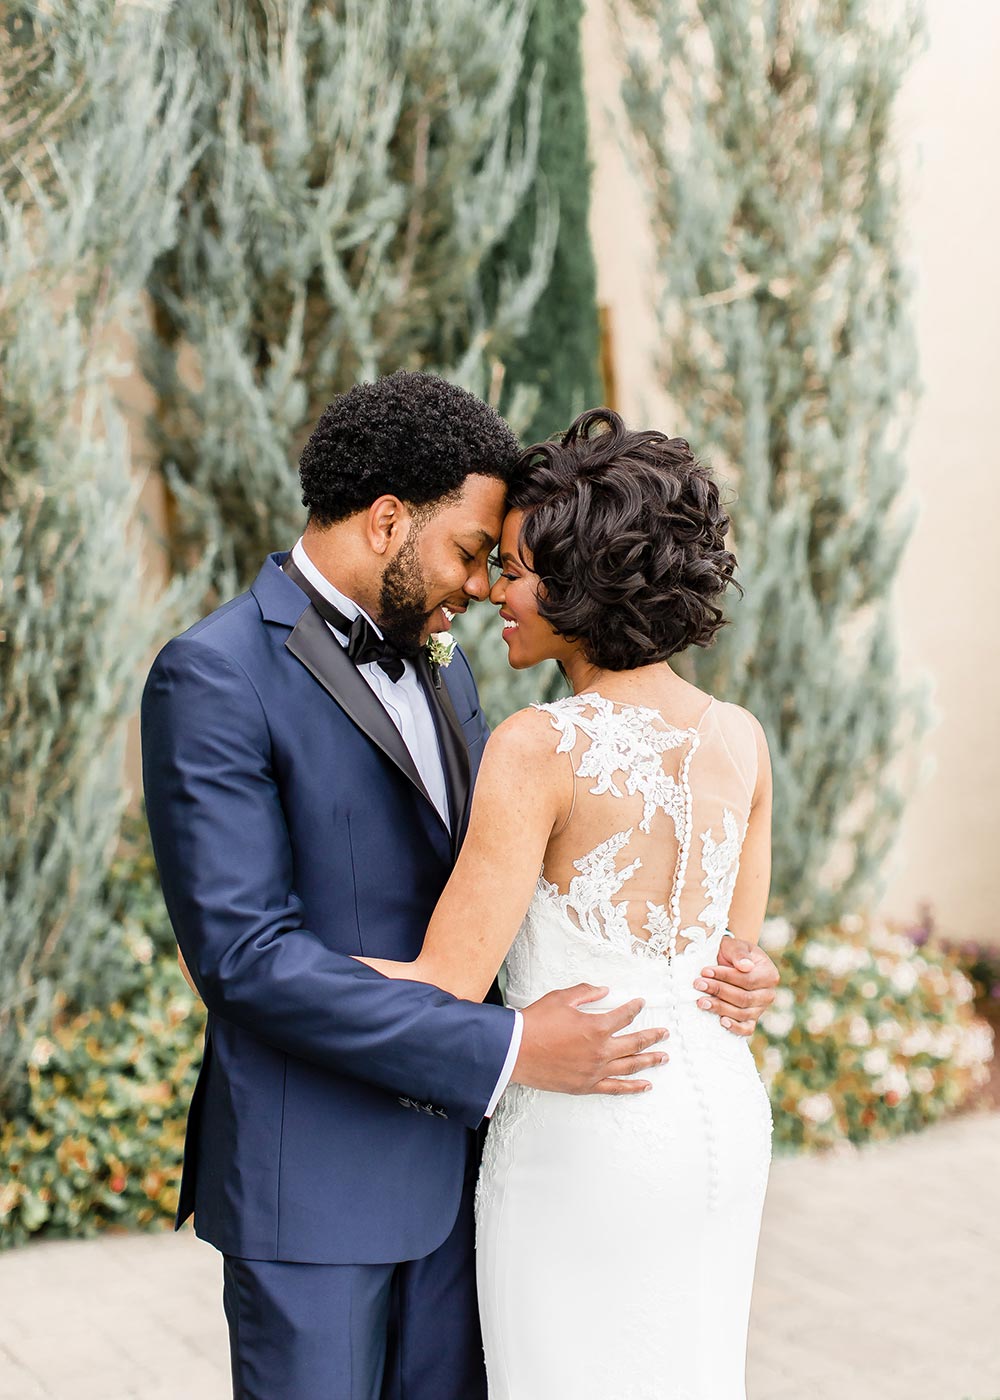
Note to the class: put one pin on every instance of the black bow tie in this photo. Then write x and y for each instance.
(364, 645)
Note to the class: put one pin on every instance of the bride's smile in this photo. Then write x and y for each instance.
(529, 636)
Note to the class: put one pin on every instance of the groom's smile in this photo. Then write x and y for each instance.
(440, 565)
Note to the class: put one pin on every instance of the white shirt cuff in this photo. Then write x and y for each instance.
(508, 1064)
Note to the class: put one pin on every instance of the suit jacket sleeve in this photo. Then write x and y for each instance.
(225, 864)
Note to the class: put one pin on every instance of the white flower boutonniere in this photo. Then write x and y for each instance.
(441, 648)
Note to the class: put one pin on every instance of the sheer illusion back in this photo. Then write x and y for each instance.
(647, 859)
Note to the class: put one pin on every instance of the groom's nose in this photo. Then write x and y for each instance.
(477, 585)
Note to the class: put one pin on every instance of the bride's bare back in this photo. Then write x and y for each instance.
(649, 855)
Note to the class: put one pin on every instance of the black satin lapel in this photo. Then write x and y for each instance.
(454, 749)
(319, 651)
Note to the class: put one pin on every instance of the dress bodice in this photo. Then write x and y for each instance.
(642, 874)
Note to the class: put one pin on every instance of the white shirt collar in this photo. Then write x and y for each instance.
(330, 592)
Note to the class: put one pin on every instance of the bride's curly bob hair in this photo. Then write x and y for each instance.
(626, 534)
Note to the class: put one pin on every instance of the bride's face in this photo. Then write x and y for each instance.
(529, 637)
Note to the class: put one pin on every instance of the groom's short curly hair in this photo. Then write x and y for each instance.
(410, 435)
(626, 534)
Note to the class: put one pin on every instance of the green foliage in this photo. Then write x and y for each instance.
(36, 102)
(559, 352)
(981, 964)
(868, 1036)
(100, 1141)
(75, 250)
(764, 131)
(356, 167)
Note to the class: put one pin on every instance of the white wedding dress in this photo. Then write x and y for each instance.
(617, 1236)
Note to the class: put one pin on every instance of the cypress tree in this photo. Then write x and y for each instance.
(95, 124)
(559, 353)
(765, 134)
(557, 357)
(356, 168)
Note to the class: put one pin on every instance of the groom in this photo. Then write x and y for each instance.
(308, 771)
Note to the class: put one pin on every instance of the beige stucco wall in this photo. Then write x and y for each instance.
(949, 118)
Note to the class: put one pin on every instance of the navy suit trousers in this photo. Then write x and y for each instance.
(407, 1331)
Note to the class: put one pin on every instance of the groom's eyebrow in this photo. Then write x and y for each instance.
(485, 538)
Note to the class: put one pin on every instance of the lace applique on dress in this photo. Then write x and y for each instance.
(720, 862)
(633, 749)
(589, 898)
(624, 756)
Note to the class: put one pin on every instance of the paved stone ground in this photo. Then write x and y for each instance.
(878, 1279)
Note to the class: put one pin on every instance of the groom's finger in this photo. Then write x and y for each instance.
(735, 1020)
(736, 997)
(585, 992)
(733, 977)
(615, 1083)
(622, 1016)
(632, 1064)
(626, 1047)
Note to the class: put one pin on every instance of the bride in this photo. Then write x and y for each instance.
(616, 836)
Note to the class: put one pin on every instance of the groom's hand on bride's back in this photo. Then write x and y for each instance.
(740, 988)
(569, 1051)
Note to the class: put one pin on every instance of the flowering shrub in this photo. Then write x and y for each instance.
(99, 1141)
(979, 961)
(868, 1035)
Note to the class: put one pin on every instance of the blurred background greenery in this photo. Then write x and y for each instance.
(226, 215)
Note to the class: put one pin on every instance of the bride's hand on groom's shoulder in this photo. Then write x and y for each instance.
(569, 1052)
(740, 987)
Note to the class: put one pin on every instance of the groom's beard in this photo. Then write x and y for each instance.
(403, 611)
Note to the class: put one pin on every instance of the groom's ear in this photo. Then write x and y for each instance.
(387, 523)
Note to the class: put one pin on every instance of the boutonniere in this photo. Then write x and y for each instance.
(441, 648)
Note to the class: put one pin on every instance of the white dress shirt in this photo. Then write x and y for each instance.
(407, 706)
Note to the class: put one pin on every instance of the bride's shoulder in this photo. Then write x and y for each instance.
(519, 762)
(527, 733)
(749, 721)
(751, 741)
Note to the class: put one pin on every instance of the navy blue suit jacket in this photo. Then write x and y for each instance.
(331, 1119)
